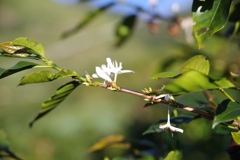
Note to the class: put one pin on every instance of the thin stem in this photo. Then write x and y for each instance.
(151, 98)
(227, 95)
(176, 104)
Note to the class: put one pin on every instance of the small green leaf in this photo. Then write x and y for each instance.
(32, 46)
(45, 76)
(154, 128)
(227, 111)
(165, 75)
(198, 63)
(125, 29)
(194, 81)
(87, 19)
(20, 66)
(56, 99)
(209, 17)
(236, 137)
(37, 77)
(174, 155)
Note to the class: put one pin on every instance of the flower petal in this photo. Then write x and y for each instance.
(103, 74)
(95, 75)
(126, 71)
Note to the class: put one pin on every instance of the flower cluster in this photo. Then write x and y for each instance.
(111, 69)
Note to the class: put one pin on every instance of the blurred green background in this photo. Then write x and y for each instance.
(89, 113)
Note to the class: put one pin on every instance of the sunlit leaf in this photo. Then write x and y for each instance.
(227, 111)
(236, 137)
(114, 141)
(174, 155)
(174, 120)
(194, 81)
(87, 19)
(20, 66)
(60, 95)
(165, 75)
(31, 46)
(45, 76)
(209, 17)
(198, 63)
(125, 29)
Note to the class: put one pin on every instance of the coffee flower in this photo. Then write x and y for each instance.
(112, 69)
(168, 97)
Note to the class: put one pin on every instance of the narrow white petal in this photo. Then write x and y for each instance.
(95, 75)
(161, 96)
(120, 66)
(110, 64)
(126, 71)
(175, 129)
(102, 74)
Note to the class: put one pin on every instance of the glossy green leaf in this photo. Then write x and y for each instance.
(194, 81)
(86, 20)
(31, 46)
(174, 120)
(209, 17)
(174, 155)
(60, 95)
(198, 63)
(165, 75)
(236, 137)
(227, 111)
(45, 76)
(20, 66)
(125, 29)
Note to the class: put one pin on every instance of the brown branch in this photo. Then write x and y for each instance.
(176, 104)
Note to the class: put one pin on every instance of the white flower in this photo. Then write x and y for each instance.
(168, 126)
(112, 69)
(168, 97)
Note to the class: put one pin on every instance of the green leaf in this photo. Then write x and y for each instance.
(165, 75)
(227, 111)
(45, 76)
(125, 29)
(32, 46)
(154, 128)
(194, 81)
(209, 17)
(60, 95)
(174, 155)
(86, 19)
(236, 137)
(20, 66)
(198, 63)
